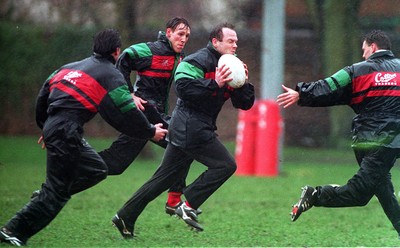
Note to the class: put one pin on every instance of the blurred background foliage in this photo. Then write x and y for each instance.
(29, 54)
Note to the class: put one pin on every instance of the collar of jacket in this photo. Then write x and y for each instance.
(162, 37)
(381, 53)
(212, 50)
(108, 57)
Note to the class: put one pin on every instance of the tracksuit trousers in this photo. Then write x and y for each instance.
(72, 166)
(373, 178)
(176, 162)
(125, 150)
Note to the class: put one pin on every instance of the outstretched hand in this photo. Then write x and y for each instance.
(287, 98)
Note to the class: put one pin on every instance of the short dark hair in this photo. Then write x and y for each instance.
(380, 38)
(106, 42)
(174, 22)
(216, 32)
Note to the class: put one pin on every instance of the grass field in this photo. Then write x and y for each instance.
(245, 211)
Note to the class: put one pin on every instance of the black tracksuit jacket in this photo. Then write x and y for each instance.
(155, 64)
(200, 99)
(372, 89)
(82, 89)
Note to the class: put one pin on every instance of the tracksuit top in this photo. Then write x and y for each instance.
(79, 90)
(200, 99)
(372, 89)
(155, 63)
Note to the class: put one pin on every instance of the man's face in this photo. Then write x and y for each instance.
(178, 37)
(368, 50)
(228, 43)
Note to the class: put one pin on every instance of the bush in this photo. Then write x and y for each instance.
(29, 54)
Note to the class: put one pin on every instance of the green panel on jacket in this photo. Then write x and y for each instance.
(124, 103)
(142, 50)
(341, 77)
(186, 70)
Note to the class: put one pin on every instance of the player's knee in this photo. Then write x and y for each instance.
(363, 200)
(101, 174)
(115, 171)
(231, 168)
(117, 167)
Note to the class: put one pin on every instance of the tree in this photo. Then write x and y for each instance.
(126, 18)
(337, 26)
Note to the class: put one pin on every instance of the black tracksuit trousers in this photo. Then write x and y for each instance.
(72, 166)
(373, 178)
(176, 161)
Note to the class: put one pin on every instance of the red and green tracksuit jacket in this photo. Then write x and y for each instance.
(90, 86)
(155, 63)
(200, 99)
(372, 89)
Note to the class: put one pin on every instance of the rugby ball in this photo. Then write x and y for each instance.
(236, 67)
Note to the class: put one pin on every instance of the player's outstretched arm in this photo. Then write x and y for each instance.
(287, 98)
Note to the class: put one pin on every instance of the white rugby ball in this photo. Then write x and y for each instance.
(236, 66)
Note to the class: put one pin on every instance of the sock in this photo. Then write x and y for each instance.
(174, 198)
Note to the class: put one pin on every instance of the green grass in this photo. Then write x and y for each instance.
(245, 211)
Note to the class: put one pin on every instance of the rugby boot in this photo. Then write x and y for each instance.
(7, 236)
(171, 209)
(189, 216)
(119, 223)
(307, 200)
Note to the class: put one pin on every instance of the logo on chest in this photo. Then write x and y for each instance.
(165, 63)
